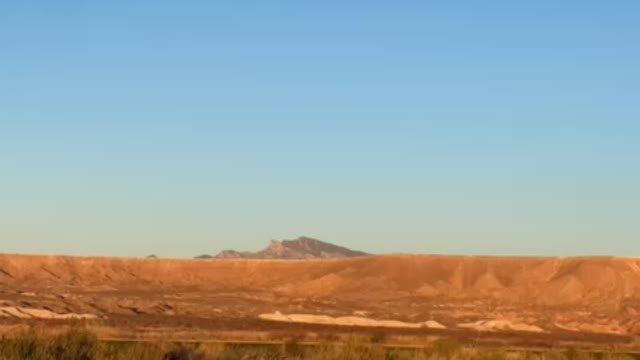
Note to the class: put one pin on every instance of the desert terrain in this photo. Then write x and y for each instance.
(517, 301)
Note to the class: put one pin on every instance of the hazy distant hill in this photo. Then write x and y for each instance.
(300, 248)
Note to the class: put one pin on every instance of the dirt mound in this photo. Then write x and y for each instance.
(349, 321)
(500, 325)
(27, 313)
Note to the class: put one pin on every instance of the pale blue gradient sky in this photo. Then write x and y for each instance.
(187, 127)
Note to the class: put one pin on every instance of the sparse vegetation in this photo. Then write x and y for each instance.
(78, 343)
(444, 349)
(75, 344)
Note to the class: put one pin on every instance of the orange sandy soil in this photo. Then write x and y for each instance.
(584, 301)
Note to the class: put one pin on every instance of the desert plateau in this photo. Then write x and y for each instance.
(404, 300)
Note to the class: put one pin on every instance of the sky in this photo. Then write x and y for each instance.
(439, 127)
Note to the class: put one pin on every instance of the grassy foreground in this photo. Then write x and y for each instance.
(80, 344)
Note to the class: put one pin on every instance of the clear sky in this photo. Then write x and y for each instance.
(187, 127)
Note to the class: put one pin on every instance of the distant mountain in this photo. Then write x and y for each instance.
(300, 248)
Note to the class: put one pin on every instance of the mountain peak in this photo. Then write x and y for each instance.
(300, 248)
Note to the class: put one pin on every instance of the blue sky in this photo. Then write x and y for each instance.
(179, 128)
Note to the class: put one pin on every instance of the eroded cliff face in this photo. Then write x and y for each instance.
(569, 294)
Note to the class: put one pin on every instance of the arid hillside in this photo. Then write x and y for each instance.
(298, 249)
(484, 294)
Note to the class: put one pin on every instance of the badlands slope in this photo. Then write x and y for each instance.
(588, 295)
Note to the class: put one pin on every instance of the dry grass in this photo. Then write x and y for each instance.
(80, 344)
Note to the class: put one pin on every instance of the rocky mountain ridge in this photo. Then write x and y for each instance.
(298, 249)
